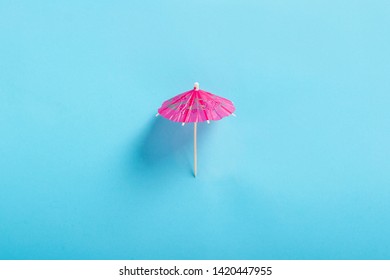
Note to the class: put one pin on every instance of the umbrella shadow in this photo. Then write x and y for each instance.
(167, 145)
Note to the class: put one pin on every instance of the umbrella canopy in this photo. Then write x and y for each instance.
(196, 105)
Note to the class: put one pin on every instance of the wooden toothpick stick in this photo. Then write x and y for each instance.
(195, 123)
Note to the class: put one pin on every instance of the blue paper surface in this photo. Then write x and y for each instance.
(88, 172)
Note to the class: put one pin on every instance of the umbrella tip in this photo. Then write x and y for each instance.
(196, 86)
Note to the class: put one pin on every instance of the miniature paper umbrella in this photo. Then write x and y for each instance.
(196, 106)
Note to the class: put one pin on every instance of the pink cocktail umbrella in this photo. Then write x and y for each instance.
(196, 106)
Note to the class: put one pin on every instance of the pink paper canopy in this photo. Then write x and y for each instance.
(196, 106)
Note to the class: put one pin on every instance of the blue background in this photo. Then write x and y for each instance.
(88, 172)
